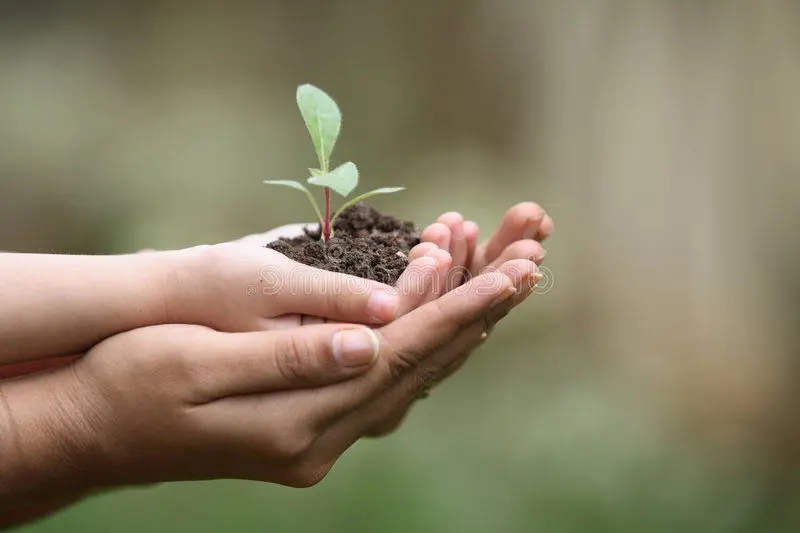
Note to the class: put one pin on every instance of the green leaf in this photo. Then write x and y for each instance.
(300, 187)
(343, 179)
(316, 172)
(362, 197)
(288, 183)
(323, 120)
(382, 190)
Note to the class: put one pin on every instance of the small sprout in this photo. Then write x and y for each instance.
(324, 122)
(342, 179)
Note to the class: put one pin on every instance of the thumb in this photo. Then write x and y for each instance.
(296, 358)
(295, 288)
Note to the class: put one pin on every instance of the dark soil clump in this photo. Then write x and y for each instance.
(364, 243)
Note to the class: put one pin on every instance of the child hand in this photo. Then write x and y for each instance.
(522, 230)
(238, 287)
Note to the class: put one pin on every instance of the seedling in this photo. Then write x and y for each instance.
(324, 122)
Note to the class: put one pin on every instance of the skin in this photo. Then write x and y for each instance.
(225, 287)
(201, 388)
(201, 404)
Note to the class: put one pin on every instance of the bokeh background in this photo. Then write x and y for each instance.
(654, 388)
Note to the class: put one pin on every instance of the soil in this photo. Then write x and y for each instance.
(364, 243)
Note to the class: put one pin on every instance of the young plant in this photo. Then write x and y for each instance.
(324, 122)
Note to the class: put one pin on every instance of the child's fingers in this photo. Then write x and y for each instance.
(458, 245)
(546, 229)
(421, 250)
(530, 250)
(523, 221)
(438, 234)
(416, 283)
(471, 231)
(444, 263)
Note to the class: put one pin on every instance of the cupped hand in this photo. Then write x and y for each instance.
(519, 236)
(174, 402)
(242, 286)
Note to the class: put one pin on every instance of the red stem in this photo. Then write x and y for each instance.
(326, 224)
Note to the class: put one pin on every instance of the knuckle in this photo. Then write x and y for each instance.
(174, 363)
(294, 358)
(335, 302)
(402, 363)
(425, 377)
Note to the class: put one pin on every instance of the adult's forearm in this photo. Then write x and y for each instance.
(46, 446)
(53, 305)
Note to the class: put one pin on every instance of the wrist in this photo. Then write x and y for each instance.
(186, 285)
(47, 446)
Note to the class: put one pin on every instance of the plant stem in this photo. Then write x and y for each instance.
(326, 225)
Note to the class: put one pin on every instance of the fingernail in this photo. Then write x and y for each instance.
(529, 281)
(382, 306)
(355, 347)
(527, 284)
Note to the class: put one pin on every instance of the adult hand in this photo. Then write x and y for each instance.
(170, 403)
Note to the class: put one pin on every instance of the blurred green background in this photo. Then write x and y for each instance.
(653, 388)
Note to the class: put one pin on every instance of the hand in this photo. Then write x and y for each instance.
(522, 230)
(184, 402)
(243, 286)
(147, 385)
(236, 287)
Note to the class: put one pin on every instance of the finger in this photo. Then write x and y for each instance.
(233, 364)
(546, 229)
(442, 280)
(445, 362)
(387, 410)
(416, 283)
(421, 250)
(529, 249)
(438, 234)
(414, 336)
(471, 231)
(435, 323)
(525, 276)
(458, 245)
(301, 289)
(387, 413)
(520, 222)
